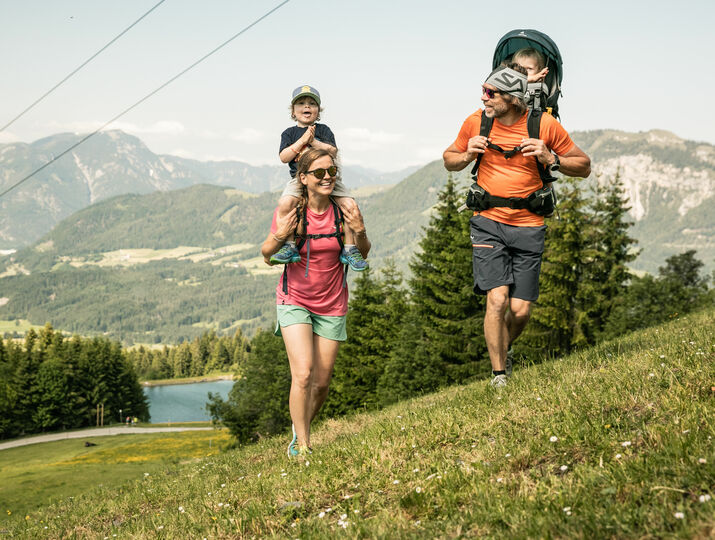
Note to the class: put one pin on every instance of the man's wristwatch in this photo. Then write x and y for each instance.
(556, 165)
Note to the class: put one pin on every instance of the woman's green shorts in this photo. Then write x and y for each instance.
(327, 326)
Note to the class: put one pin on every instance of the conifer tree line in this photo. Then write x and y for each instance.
(50, 383)
(409, 339)
(206, 354)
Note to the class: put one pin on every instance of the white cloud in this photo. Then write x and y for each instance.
(248, 135)
(7, 137)
(364, 139)
(162, 127)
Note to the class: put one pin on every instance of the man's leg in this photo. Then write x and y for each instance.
(496, 332)
(516, 319)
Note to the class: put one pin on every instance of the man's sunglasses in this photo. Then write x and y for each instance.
(320, 173)
(490, 93)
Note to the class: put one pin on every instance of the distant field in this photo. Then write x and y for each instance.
(134, 256)
(34, 476)
(19, 325)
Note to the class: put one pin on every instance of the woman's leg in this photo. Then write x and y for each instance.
(324, 353)
(298, 339)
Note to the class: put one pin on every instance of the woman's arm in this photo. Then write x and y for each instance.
(284, 227)
(353, 219)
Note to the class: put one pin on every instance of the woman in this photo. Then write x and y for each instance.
(312, 295)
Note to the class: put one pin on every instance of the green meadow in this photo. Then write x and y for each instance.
(611, 442)
(37, 475)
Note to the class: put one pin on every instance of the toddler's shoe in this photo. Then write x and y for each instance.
(286, 255)
(353, 257)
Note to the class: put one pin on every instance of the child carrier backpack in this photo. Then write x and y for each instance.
(542, 96)
(304, 240)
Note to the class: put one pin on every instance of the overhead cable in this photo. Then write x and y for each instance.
(43, 96)
(142, 100)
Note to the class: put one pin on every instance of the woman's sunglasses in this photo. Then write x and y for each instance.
(320, 173)
(490, 93)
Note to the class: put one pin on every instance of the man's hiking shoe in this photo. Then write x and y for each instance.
(293, 446)
(509, 362)
(499, 381)
(286, 255)
(353, 257)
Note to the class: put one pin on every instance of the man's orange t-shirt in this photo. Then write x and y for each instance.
(518, 175)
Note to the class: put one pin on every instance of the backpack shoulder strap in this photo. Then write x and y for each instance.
(338, 215)
(533, 126)
(485, 128)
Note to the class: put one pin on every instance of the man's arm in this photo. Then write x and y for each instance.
(454, 160)
(575, 162)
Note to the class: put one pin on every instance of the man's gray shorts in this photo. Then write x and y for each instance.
(506, 255)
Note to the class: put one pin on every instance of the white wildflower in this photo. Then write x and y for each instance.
(223, 485)
(500, 480)
(181, 509)
(679, 515)
(508, 455)
(321, 515)
(564, 468)
(704, 498)
(415, 470)
(553, 438)
(418, 489)
(618, 456)
(651, 375)
(702, 461)
(343, 516)
(284, 474)
(396, 482)
(625, 444)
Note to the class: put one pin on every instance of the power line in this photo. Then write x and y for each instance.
(43, 96)
(142, 100)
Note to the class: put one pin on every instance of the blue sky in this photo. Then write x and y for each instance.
(397, 77)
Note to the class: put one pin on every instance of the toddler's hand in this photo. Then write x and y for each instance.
(536, 77)
(309, 135)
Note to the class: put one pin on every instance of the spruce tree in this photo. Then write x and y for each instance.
(556, 320)
(410, 369)
(374, 319)
(442, 292)
(607, 251)
(257, 405)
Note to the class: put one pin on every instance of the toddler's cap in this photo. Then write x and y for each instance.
(305, 91)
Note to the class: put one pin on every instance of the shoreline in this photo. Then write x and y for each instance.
(189, 380)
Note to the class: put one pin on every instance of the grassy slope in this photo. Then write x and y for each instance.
(633, 421)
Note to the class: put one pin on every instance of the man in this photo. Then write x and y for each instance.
(507, 237)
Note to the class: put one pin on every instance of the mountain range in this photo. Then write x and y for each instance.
(166, 262)
(115, 163)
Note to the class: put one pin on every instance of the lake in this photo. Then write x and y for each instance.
(183, 402)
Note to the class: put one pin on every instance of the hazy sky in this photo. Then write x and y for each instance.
(397, 77)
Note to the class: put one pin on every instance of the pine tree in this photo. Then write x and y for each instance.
(607, 251)
(442, 292)
(257, 405)
(374, 320)
(556, 320)
(410, 370)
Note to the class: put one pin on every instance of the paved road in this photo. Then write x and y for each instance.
(98, 432)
